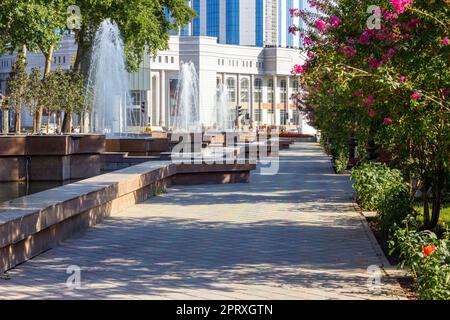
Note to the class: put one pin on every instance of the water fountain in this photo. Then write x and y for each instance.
(224, 116)
(108, 81)
(186, 117)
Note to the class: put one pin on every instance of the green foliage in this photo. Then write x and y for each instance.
(31, 23)
(346, 96)
(395, 207)
(341, 162)
(430, 270)
(64, 91)
(143, 24)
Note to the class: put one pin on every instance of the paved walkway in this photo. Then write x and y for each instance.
(295, 235)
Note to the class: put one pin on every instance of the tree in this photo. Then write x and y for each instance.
(383, 77)
(144, 26)
(32, 24)
(17, 83)
(34, 95)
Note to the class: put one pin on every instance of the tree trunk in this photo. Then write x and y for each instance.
(80, 50)
(67, 122)
(426, 208)
(48, 122)
(48, 68)
(5, 120)
(58, 122)
(17, 118)
(437, 197)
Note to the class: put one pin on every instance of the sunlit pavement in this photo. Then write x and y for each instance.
(294, 235)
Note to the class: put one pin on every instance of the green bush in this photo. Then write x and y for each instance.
(426, 257)
(394, 208)
(341, 162)
(372, 181)
(382, 189)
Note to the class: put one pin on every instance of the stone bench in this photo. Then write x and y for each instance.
(36, 223)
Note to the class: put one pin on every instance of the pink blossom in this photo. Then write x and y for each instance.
(358, 93)
(307, 41)
(374, 63)
(415, 96)
(402, 78)
(349, 51)
(311, 55)
(400, 5)
(369, 101)
(389, 15)
(321, 25)
(445, 41)
(387, 121)
(335, 22)
(298, 69)
(364, 38)
(372, 113)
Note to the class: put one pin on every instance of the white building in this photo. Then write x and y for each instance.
(258, 79)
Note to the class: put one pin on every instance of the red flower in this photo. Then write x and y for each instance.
(387, 121)
(415, 96)
(429, 249)
(372, 113)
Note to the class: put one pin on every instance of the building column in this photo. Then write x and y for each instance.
(162, 98)
(251, 99)
(288, 96)
(275, 99)
(156, 101)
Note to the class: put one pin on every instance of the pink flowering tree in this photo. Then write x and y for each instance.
(379, 71)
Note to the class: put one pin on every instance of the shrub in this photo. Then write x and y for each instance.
(341, 162)
(394, 208)
(426, 257)
(373, 181)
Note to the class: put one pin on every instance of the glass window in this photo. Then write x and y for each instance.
(258, 115)
(231, 84)
(196, 21)
(232, 21)
(244, 90)
(258, 90)
(212, 18)
(172, 60)
(270, 91)
(282, 117)
(283, 91)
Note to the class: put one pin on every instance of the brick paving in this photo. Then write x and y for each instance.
(295, 235)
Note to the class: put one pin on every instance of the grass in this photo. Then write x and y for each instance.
(444, 218)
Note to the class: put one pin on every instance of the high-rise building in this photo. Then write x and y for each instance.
(246, 22)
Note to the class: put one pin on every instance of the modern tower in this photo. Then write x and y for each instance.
(246, 22)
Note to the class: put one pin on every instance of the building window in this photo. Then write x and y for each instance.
(283, 117)
(134, 112)
(231, 84)
(260, 23)
(232, 21)
(172, 60)
(295, 86)
(258, 90)
(64, 59)
(270, 91)
(196, 21)
(212, 18)
(283, 91)
(244, 90)
(167, 59)
(258, 115)
(159, 59)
